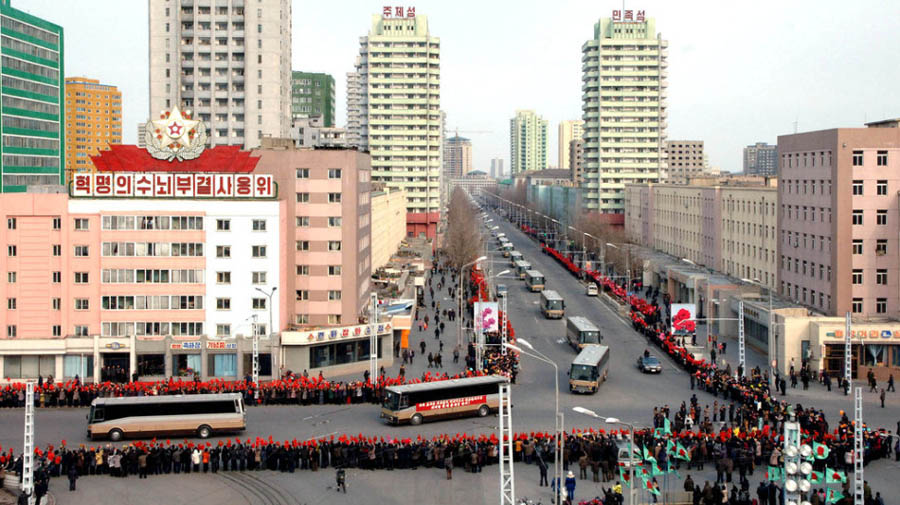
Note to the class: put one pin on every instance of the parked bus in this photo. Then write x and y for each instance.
(521, 268)
(589, 369)
(416, 403)
(515, 256)
(581, 331)
(502, 240)
(507, 249)
(145, 416)
(552, 305)
(534, 280)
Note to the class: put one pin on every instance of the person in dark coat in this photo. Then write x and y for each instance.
(73, 476)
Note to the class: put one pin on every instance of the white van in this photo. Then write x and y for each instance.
(591, 289)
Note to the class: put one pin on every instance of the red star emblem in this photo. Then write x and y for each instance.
(175, 129)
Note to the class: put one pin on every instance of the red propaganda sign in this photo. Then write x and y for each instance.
(629, 16)
(452, 403)
(193, 185)
(398, 12)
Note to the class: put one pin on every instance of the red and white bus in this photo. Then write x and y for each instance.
(415, 403)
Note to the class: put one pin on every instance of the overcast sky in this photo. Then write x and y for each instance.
(739, 72)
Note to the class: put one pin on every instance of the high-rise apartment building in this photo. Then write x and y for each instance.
(497, 168)
(33, 101)
(761, 159)
(527, 142)
(457, 156)
(684, 158)
(354, 106)
(93, 121)
(227, 62)
(624, 108)
(569, 130)
(838, 219)
(312, 94)
(400, 119)
(576, 160)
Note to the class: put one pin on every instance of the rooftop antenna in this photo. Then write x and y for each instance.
(796, 121)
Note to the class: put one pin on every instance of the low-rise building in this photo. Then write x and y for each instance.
(473, 182)
(311, 132)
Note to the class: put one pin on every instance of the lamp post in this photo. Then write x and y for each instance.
(613, 420)
(459, 304)
(558, 450)
(256, 341)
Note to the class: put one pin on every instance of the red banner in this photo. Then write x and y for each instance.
(451, 403)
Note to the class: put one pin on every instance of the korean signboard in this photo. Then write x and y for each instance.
(218, 345)
(451, 403)
(186, 346)
(325, 335)
(865, 333)
(398, 12)
(628, 16)
(166, 185)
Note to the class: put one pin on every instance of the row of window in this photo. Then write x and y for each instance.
(808, 213)
(333, 270)
(333, 295)
(154, 249)
(123, 329)
(150, 223)
(333, 222)
(881, 217)
(152, 276)
(881, 276)
(881, 187)
(881, 246)
(805, 267)
(333, 245)
(303, 197)
(333, 173)
(809, 241)
(255, 304)
(153, 302)
(811, 297)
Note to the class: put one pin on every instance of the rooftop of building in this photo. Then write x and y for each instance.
(550, 173)
(710, 181)
(884, 123)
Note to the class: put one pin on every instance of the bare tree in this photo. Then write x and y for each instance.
(463, 242)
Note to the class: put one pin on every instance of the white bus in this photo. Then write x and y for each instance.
(581, 331)
(589, 369)
(416, 403)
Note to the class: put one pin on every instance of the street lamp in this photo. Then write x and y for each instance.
(558, 452)
(462, 272)
(613, 420)
(256, 342)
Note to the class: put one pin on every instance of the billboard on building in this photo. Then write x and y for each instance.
(684, 318)
(487, 316)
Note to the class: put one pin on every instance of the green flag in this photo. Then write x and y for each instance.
(682, 453)
(832, 495)
(833, 476)
(624, 475)
(816, 477)
(658, 470)
(647, 455)
(667, 426)
(773, 473)
(670, 447)
(650, 487)
(820, 451)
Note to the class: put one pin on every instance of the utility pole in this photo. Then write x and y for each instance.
(848, 356)
(255, 359)
(28, 445)
(505, 438)
(741, 349)
(373, 340)
(503, 334)
(858, 482)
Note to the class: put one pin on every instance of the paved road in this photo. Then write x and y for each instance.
(627, 394)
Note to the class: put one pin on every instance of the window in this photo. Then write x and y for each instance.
(57, 223)
(223, 224)
(857, 306)
(302, 197)
(302, 269)
(302, 319)
(223, 330)
(11, 223)
(259, 251)
(81, 277)
(81, 330)
(334, 319)
(857, 217)
(857, 187)
(10, 250)
(81, 251)
(302, 294)
(880, 247)
(259, 225)
(334, 245)
(56, 303)
(857, 158)
(303, 173)
(334, 294)
(303, 245)
(11, 304)
(57, 250)
(857, 276)
(82, 304)
(857, 246)
(881, 217)
(81, 224)
(223, 303)
(302, 221)
(258, 277)
(223, 277)
(259, 304)
(334, 198)
(881, 305)
(334, 173)
(881, 277)
(334, 270)
(57, 330)
(334, 222)
(11, 277)
(223, 251)
(11, 330)
(881, 188)
(881, 158)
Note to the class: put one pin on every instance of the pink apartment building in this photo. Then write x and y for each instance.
(839, 219)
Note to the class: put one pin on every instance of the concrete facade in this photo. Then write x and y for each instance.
(624, 110)
(569, 130)
(457, 156)
(93, 121)
(399, 69)
(684, 158)
(311, 132)
(354, 106)
(33, 94)
(761, 159)
(838, 225)
(527, 142)
(229, 64)
(576, 161)
(312, 95)
(389, 211)
(497, 168)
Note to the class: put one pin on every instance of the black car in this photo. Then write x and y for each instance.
(649, 364)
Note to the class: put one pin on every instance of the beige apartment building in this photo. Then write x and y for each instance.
(389, 216)
(684, 158)
(730, 229)
(569, 130)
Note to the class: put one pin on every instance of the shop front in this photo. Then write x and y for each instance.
(205, 358)
(337, 351)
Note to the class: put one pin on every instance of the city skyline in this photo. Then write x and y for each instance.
(791, 90)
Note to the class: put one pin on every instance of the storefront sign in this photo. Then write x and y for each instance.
(629, 15)
(864, 334)
(186, 346)
(452, 403)
(115, 346)
(398, 12)
(168, 185)
(220, 346)
(334, 334)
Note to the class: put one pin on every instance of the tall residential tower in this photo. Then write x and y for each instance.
(93, 121)
(400, 119)
(569, 130)
(312, 95)
(457, 156)
(761, 159)
(229, 64)
(624, 108)
(527, 142)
